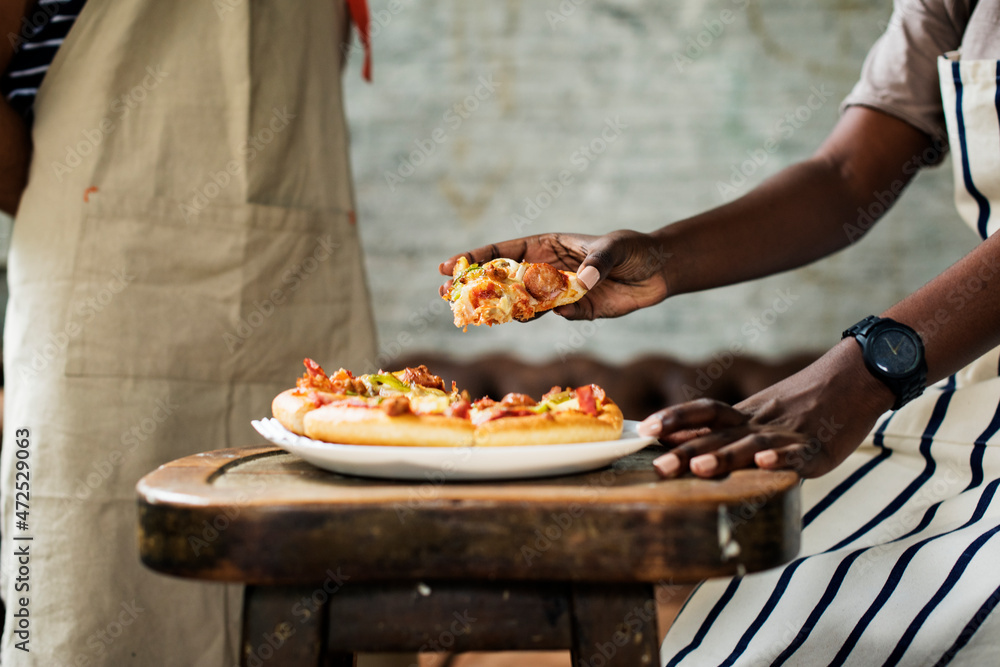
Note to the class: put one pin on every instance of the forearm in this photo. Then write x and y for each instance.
(802, 214)
(812, 420)
(794, 218)
(958, 313)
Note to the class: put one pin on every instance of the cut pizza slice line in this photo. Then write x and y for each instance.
(503, 290)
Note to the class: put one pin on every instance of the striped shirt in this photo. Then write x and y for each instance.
(42, 32)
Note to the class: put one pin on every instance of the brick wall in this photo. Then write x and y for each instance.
(477, 106)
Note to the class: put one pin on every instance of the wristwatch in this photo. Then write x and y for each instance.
(893, 353)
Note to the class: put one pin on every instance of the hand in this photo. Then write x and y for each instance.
(15, 154)
(809, 422)
(624, 270)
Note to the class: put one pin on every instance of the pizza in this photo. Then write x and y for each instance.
(502, 290)
(412, 407)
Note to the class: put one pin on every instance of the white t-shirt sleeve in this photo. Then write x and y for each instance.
(899, 76)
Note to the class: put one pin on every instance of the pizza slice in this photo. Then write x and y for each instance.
(367, 400)
(411, 407)
(502, 290)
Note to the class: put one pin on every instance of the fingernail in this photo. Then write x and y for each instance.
(667, 465)
(704, 464)
(589, 276)
(768, 457)
(650, 427)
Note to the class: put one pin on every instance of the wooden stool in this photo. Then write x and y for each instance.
(336, 565)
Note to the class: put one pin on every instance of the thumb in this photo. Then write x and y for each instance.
(599, 262)
(589, 275)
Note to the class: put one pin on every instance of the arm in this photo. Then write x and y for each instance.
(801, 214)
(805, 212)
(15, 143)
(813, 420)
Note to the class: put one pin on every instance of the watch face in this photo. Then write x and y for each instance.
(894, 351)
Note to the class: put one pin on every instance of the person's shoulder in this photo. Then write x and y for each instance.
(956, 13)
(935, 26)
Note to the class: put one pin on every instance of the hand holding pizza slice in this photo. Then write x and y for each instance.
(623, 271)
(502, 290)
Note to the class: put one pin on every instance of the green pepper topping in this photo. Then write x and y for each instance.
(456, 284)
(378, 380)
(561, 397)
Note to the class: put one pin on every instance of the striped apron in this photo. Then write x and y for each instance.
(900, 559)
(185, 239)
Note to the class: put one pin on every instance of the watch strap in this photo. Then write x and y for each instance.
(861, 328)
(906, 389)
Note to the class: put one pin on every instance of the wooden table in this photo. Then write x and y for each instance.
(337, 565)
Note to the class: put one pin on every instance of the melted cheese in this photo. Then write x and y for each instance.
(519, 274)
(501, 309)
(429, 403)
(571, 404)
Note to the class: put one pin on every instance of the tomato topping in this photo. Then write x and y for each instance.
(317, 398)
(313, 370)
(586, 399)
(341, 382)
(484, 292)
(314, 377)
(484, 402)
(459, 409)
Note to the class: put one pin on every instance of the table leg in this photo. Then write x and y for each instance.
(283, 627)
(614, 625)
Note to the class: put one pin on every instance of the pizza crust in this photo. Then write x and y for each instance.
(289, 408)
(371, 426)
(553, 428)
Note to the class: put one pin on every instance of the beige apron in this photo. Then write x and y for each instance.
(186, 238)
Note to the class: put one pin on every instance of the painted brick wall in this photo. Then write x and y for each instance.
(479, 108)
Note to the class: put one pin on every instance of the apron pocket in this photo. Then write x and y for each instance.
(211, 300)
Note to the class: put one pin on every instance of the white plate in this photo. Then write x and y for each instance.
(442, 464)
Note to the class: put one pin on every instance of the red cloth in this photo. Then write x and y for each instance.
(359, 15)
